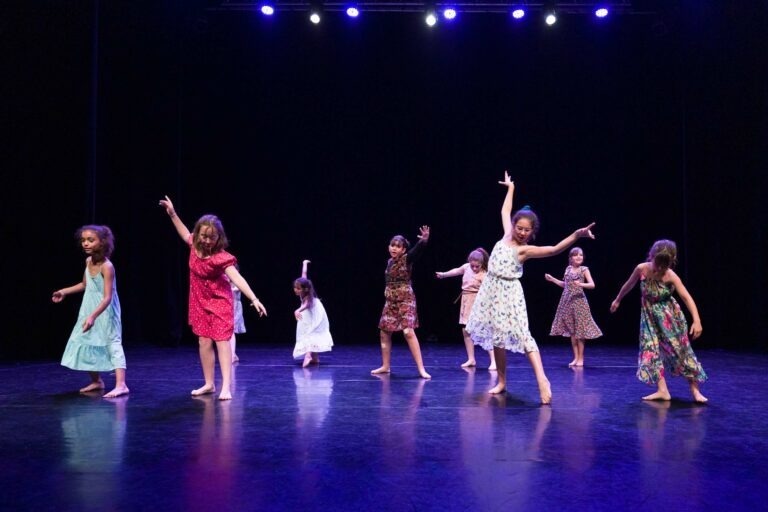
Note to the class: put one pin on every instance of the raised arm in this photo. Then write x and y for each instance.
(634, 277)
(416, 250)
(506, 206)
(545, 251)
(459, 271)
(696, 329)
(304, 268)
(242, 285)
(181, 229)
(108, 272)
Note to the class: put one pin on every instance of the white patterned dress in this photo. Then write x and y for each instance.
(499, 316)
(313, 331)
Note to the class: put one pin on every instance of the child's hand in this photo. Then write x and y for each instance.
(88, 324)
(439, 275)
(297, 314)
(423, 233)
(259, 307)
(306, 262)
(507, 181)
(695, 330)
(58, 296)
(614, 306)
(549, 277)
(168, 205)
(585, 232)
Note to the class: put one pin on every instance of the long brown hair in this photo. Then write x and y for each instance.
(213, 222)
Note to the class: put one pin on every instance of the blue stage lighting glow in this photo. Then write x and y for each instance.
(518, 13)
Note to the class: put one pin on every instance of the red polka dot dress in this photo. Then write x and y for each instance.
(211, 313)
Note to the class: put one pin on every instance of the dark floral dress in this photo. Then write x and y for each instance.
(664, 344)
(573, 317)
(399, 300)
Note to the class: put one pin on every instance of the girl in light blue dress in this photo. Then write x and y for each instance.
(95, 344)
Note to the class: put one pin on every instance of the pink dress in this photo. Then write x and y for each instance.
(211, 313)
(470, 284)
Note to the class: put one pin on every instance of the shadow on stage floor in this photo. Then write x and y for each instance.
(334, 437)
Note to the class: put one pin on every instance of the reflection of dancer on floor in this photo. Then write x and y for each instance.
(239, 321)
(472, 274)
(95, 344)
(664, 343)
(313, 332)
(399, 312)
(499, 317)
(211, 312)
(573, 317)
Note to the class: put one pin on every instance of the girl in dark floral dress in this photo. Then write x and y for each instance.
(664, 343)
(399, 312)
(573, 317)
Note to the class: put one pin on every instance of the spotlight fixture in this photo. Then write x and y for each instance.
(353, 11)
(518, 13)
(449, 13)
(315, 12)
(550, 18)
(601, 11)
(267, 9)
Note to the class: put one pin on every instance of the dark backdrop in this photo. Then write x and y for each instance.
(324, 142)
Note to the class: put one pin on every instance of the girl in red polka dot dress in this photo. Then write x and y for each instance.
(211, 313)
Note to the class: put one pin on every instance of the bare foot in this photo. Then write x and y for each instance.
(118, 391)
(225, 395)
(93, 386)
(545, 392)
(205, 390)
(492, 367)
(307, 360)
(579, 363)
(469, 363)
(498, 388)
(424, 375)
(699, 397)
(378, 371)
(658, 396)
(572, 363)
(235, 358)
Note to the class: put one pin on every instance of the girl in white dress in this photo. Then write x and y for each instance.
(313, 333)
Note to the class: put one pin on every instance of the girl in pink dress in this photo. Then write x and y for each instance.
(211, 312)
(472, 274)
(573, 317)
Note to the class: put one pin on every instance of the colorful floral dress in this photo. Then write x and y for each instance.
(499, 316)
(664, 344)
(573, 317)
(399, 300)
(211, 309)
(100, 348)
(313, 331)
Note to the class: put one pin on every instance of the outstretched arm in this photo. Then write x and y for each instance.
(108, 272)
(552, 279)
(242, 285)
(634, 277)
(696, 329)
(59, 295)
(304, 267)
(535, 251)
(181, 229)
(506, 206)
(459, 271)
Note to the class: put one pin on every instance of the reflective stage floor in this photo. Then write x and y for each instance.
(334, 437)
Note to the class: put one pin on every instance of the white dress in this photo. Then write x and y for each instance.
(499, 317)
(313, 331)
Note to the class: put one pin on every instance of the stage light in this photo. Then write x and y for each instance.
(353, 11)
(518, 13)
(551, 18)
(601, 12)
(314, 17)
(430, 19)
(449, 13)
(267, 10)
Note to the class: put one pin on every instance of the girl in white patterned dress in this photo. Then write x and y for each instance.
(313, 332)
(499, 317)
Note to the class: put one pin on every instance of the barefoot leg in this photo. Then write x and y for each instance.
(500, 355)
(96, 383)
(386, 352)
(492, 366)
(662, 393)
(208, 362)
(413, 344)
(470, 346)
(579, 352)
(120, 387)
(307, 360)
(233, 344)
(225, 363)
(694, 385)
(545, 391)
(575, 348)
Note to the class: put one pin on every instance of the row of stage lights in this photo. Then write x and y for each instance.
(432, 15)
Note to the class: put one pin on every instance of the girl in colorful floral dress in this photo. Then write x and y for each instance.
(664, 342)
(499, 317)
(211, 312)
(472, 274)
(399, 312)
(573, 317)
